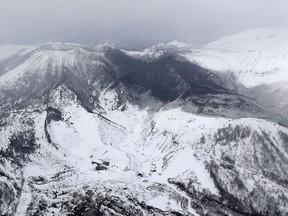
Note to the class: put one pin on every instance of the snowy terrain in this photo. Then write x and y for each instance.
(256, 58)
(170, 130)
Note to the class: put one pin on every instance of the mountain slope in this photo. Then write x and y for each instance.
(256, 58)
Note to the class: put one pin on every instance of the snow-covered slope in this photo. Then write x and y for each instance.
(256, 58)
(101, 131)
(265, 40)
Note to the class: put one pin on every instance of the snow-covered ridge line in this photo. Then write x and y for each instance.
(269, 40)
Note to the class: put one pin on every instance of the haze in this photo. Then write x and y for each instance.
(87, 21)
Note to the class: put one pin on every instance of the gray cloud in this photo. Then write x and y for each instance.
(86, 21)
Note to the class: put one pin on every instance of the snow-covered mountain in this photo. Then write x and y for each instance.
(256, 58)
(170, 130)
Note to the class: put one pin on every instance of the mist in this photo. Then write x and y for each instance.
(87, 21)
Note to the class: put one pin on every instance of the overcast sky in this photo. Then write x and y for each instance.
(87, 21)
